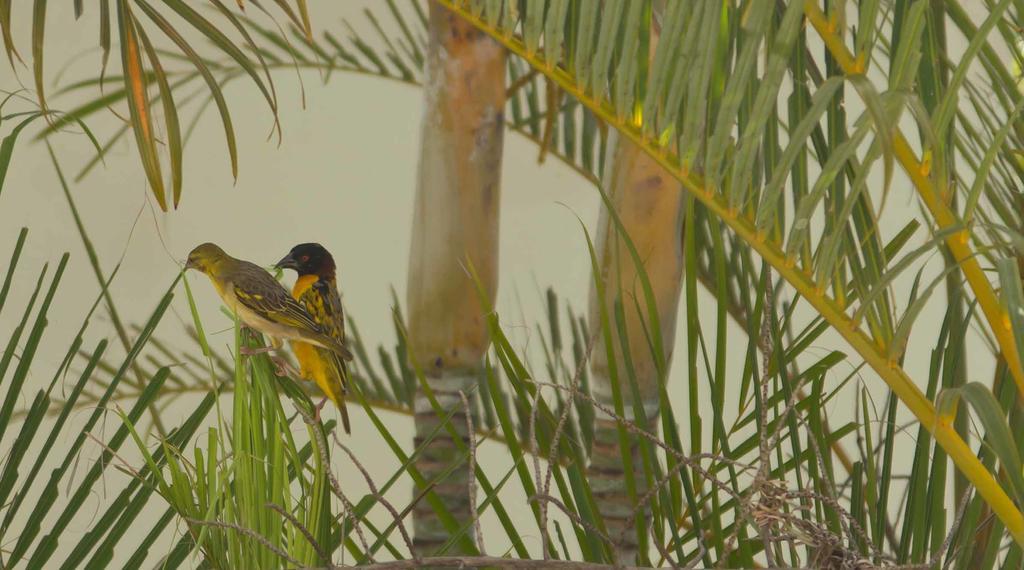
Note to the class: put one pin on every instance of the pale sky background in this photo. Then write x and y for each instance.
(344, 176)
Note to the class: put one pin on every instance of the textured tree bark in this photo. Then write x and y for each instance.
(455, 220)
(649, 203)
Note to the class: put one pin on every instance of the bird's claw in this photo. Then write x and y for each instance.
(278, 368)
(250, 351)
(317, 408)
(283, 368)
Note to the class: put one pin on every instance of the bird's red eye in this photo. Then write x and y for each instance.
(305, 258)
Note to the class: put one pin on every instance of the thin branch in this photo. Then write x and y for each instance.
(249, 533)
(556, 441)
(335, 486)
(576, 519)
(488, 562)
(376, 494)
(471, 482)
(765, 457)
(947, 543)
(324, 557)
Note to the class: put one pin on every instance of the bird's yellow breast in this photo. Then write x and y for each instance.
(317, 366)
(302, 284)
(309, 358)
(312, 367)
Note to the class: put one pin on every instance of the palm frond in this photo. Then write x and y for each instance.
(682, 130)
(142, 68)
(28, 501)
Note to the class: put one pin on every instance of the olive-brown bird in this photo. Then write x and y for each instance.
(317, 290)
(260, 302)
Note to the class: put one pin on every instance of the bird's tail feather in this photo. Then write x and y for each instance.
(334, 385)
(341, 400)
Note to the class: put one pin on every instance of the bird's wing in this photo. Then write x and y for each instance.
(262, 294)
(323, 303)
(334, 314)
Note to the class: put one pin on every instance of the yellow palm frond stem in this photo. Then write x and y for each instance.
(770, 250)
(959, 243)
(455, 218)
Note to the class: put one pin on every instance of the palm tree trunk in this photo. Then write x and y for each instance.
(649, 202)
(455, 220)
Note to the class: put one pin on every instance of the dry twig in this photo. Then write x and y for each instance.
(471, 480)
(249, 533)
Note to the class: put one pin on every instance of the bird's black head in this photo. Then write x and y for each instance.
(309, 259)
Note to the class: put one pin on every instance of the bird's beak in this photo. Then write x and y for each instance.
(287, 263)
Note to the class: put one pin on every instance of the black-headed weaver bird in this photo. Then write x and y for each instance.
(260, 302)
(317, 290)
